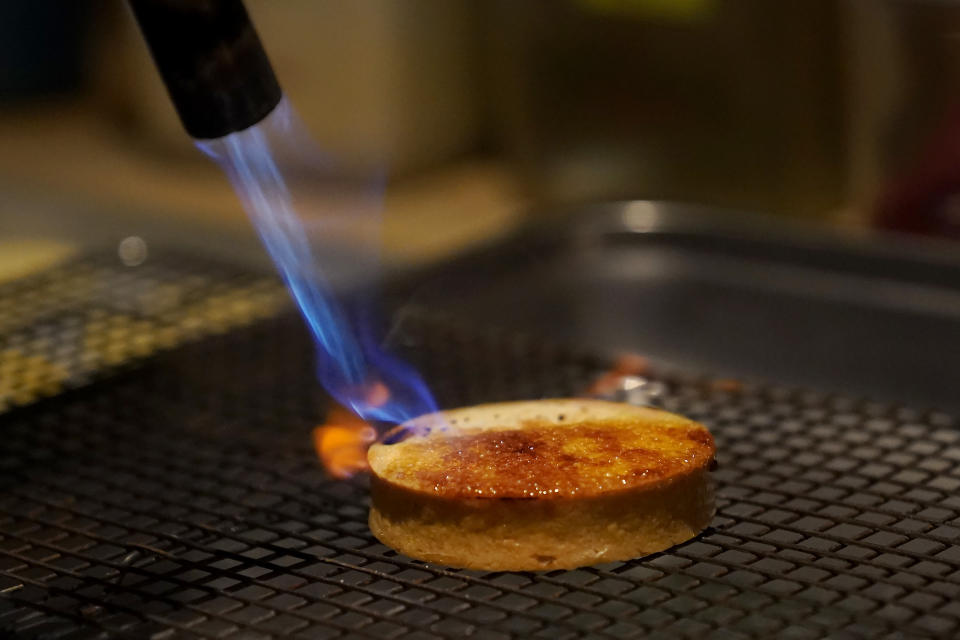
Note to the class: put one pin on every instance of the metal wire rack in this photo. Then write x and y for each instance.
(184, 500)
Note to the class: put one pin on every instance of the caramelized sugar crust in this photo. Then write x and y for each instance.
(580, 449)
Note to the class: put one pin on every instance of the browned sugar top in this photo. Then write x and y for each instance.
(544, 460)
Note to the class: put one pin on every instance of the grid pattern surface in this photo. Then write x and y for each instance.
(185, 500)
(77, 322)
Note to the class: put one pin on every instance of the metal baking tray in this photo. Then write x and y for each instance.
(733, 295)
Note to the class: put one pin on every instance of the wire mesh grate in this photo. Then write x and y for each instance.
(184, 499)
(79, 321)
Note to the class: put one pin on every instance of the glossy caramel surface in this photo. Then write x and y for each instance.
(541, 449)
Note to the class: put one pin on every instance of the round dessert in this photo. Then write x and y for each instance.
(541, 485)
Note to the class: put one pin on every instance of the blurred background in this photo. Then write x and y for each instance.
(485, 113)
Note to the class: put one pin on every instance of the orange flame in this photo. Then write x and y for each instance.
(342, 441)
(726, 384)
(627, 364)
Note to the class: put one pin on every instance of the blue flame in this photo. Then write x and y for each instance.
(351, 363)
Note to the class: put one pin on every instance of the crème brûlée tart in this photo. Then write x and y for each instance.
(541, 485)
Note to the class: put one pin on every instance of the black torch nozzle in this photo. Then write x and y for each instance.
(211, 61)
